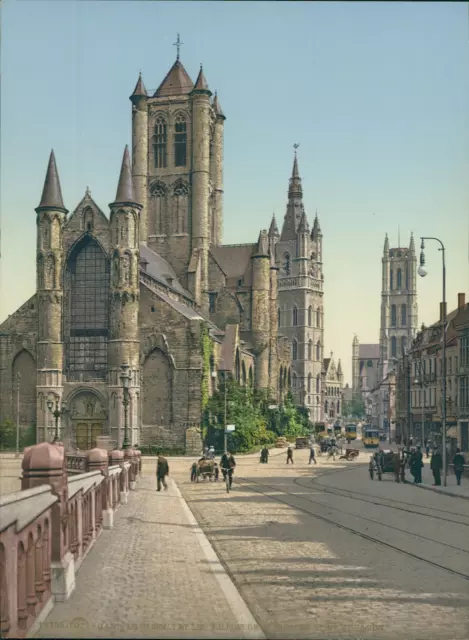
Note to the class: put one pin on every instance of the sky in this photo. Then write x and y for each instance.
(376, 95)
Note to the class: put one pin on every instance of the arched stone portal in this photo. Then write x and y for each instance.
(88, 418)
(157, 389)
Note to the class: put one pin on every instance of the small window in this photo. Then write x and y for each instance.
(295, 350)
(180, 141)
(295, 316)
(240, 282)
(399, 279)
(160, 141)
(212, 301)
(153, 309)
(369, 364)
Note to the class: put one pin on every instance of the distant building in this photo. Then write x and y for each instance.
(332, 385)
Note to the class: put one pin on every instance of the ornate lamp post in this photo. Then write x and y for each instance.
(422, 271)
(125, 379)
(57, 413)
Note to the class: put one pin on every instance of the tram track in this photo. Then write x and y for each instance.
(247, 482)
(348, 493)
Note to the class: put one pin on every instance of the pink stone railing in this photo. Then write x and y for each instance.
(48, 528)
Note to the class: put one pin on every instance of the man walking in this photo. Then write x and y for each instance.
(458, 462)
(162, 470)
(436, 465)
(312, 455)
(417, 464)
(289, 455)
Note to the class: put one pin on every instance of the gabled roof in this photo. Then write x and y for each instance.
(177, 82)
(233, 259)
(158, 268)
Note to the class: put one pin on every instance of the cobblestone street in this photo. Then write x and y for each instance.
(337, 555)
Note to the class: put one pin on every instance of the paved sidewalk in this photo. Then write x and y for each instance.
(452, 489)
(154, 575)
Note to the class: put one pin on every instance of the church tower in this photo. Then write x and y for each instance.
(51, 216)
(399, 312)
(300, 296)
(177, 168)
(124, 341)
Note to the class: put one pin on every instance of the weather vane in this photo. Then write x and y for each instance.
(295, 146)
(178, 44)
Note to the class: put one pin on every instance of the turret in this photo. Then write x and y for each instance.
(340, 375)
(261, 309)
(273, 364)
(124, 341)
(302, 245)
(386, 266)
(51, 216)
(217, 172)
(139, 100)
(200, 96)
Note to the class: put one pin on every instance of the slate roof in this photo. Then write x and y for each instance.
(233, 258)
(158, 268)
(177, 82)
(52, 193)
(368, 352)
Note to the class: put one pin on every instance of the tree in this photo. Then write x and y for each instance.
(354, 408)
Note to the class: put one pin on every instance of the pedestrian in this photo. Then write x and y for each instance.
(427, 449)
(312, 455)
(194, 472)
(211, 453)
(458, 462)
(417, 464)
(162, 470)
(265, 455)
(290, 455)
(397, 466)
(436, 465)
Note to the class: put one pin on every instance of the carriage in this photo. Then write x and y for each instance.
(350, 454)
(207, 469)
(382, 462)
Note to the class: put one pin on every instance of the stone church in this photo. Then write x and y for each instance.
(152, 286)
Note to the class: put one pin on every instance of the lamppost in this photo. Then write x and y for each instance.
(422, 273)
(57, 413)
(18, 378)
(125, 379)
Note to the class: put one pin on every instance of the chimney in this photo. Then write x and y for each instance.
(461, 300)
(442, 311)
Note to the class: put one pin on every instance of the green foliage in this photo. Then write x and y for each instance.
(354, 408)
(256, 424)
(206, 346)
(154, 450)
(8, 436)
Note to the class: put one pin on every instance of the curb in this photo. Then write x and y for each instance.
(435, 490)
(248, 625)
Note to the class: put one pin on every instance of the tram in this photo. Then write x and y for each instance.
(370, 437)
(351, 432)
(337, 430)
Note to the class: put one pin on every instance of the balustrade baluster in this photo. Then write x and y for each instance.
(31, 599)
(21, 587)
(46, 556)
(40, 587)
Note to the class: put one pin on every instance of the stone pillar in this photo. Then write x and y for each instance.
(129, 456)
(98, 461)
(117, 457)
(45, 463)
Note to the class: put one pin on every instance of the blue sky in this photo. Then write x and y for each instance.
(377, 95)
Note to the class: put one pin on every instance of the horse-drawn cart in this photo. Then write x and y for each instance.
(207, 469)
(350, 454)
(384, 462)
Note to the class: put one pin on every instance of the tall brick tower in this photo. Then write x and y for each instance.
(124, 341)
(51, 215)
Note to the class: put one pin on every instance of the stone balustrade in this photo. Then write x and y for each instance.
(48, 528)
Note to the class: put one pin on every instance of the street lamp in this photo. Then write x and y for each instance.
(57, 413)
(422, 271)
(125, 379)
(18, 378)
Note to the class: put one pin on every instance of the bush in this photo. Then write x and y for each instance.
(154, 450)
(7, 435)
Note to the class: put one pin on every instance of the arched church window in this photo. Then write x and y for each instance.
(310, 350)
(318, 318)
(310, 316)
(279, 317)
(158, 193)
(294, 351)
(180, 193)
(406, 277)
(160, 143)
(318, 350)
(286, 264)
(88, 220)
(403, 315)
(295, 316)
(180, 141)
(399, 279)
(318, 384)
(394, 347)
(310, 377)
(393, 315)
(391, 279)
(40, 272)
(294, 381)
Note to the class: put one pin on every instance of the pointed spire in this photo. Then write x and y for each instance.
(272, 259)
(201, 83)
(386, 246)
(52, 193)
(139, 90)
(261, 249)
(339, 368)
(295, 208)
(303, 227)
(217, 108)
(412, 243)
(125, 188)
(88, 193)
(316, 231)
(295, 190)
(273, 230)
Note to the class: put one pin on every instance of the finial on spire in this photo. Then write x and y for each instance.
(87, 193)
(178, 44)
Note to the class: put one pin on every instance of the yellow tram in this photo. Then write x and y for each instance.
(351, 432)
(370, 437)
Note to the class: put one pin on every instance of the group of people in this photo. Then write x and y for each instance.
(413, 459)
(227, 465)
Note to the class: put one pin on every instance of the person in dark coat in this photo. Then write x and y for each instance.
(397, 466)
(312, 455)
(194, 472)
(416, 466)
(436, 465)
(289, 455)
(458, 462)
(162, 470)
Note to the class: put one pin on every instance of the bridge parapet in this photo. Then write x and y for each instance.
(48, 528)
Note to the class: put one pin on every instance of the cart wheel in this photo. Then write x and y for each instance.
(371, 473)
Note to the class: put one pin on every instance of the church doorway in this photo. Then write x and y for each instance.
(88, 418)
